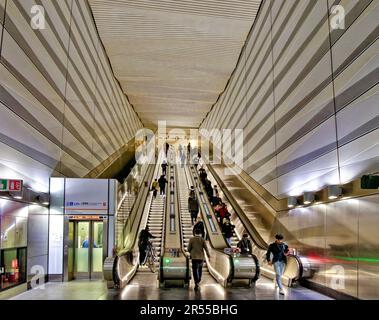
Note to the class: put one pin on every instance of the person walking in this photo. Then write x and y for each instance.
(167, 146)
(202, 175)
(277, 256)
(199, 225)
(193, 208)
(162, 185)
(196, 161)
(245, 245)
(189, 151)
(183, 159)
(154, 188)
(196, 247)
(164, 167)
(129, 183)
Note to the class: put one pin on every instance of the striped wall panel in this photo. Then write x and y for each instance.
(306, 96)
(62, 112)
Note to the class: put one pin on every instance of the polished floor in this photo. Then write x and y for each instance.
(144, 286)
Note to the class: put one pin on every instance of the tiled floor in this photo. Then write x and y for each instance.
(145, 286)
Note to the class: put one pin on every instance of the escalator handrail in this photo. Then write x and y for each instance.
(218, 250)
(177, 198)
(154, 174)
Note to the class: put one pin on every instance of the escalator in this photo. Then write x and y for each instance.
(121, 268)
(185, 216)
(247, 219)
(227, 269)
(174, 266)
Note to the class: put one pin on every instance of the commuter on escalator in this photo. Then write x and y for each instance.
(192, 193)
(208, 188)
(214, 195)
(245, 245)
(277, 256)
(189, 149)
(199, 225)
(167, 146)
(143, 241)
(222, 212)
(183, 159)
(195, 161)
(227, 231)
(164, 167)
(154, 188)
(129, 183)
(196, 247)
(162, 185)
(203, 175)
(193, 208)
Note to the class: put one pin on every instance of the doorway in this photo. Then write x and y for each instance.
(85, 249)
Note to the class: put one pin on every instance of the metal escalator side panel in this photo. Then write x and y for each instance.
(174, 264)
(126, 263)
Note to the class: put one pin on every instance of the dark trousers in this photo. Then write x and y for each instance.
(155, 193)
(162, 190)
(164, 170)
(193, 217)
(197, 270)
(142, 254)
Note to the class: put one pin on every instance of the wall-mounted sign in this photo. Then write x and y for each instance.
(86, 196)
(10, 185)
(86, 217)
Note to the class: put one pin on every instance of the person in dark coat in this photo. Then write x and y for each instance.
(192, 192)
(162, 185)
(203, 175)
(209, 189)
(143, 240)
(199, 225)
(164, 167)
(245, 245)
(227, 231)
(193, 208)
(277, 256)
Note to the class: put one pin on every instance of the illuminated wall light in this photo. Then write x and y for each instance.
(334, 192)
(291, 202)
(309, 197)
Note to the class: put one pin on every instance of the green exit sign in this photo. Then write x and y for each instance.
(10, 185)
